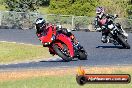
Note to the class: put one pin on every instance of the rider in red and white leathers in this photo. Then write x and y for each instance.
(44, 30)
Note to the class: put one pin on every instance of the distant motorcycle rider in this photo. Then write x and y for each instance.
(101, 23)
(43, 29)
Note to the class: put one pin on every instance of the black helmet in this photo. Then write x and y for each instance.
(40, 23)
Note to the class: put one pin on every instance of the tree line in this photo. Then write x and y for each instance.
(87, 7)
(71, 7)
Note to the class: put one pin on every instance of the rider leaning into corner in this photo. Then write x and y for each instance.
(42, 29)
(101, 24)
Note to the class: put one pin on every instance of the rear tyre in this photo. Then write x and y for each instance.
(82, 55)
(61, 54)
(123, 42)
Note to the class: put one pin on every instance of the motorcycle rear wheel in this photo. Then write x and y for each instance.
(82, 55)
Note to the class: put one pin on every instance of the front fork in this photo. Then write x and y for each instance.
(51, 50)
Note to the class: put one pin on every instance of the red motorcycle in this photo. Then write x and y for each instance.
(62, 45)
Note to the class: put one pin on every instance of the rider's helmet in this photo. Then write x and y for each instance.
(100, 11)
(40, 24)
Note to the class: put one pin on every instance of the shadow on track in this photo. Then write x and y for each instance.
(118, 47)
(56, 60)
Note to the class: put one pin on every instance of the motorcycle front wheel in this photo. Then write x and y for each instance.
(123, 42)
(61, 53)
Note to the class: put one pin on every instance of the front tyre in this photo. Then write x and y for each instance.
(59, 52)
(123, 42)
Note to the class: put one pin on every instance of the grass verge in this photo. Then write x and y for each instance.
(62, 78)
(2, 8)
(12, 52)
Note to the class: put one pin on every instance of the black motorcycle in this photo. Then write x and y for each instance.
(117, 34)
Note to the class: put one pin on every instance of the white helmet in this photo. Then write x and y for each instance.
(100, 11)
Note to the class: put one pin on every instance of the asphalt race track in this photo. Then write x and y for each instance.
(99, 54)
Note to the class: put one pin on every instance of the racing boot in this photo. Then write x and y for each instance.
(110, 41)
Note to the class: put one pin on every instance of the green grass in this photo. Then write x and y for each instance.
(2, 8)
(61, 81)
(56, 82)
(11, 52)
